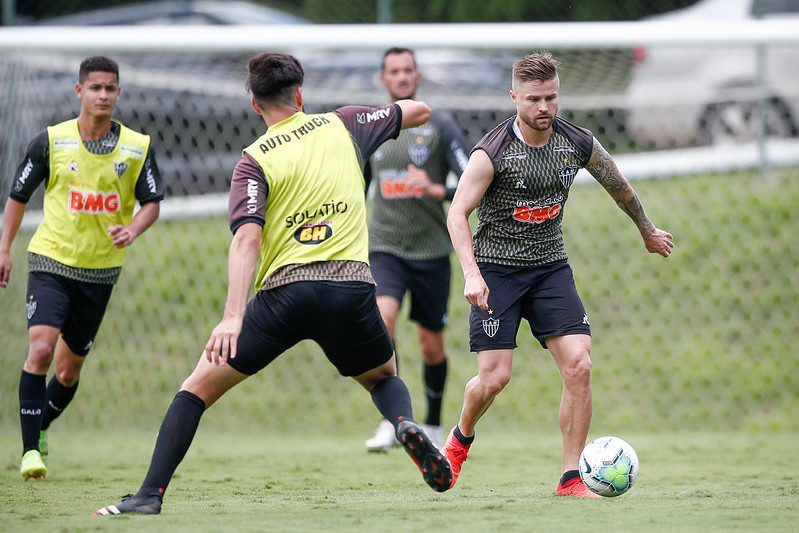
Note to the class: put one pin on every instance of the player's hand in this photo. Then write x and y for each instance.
(659, 242)
(418, 181)
(476, 291)
(5, 269)
(223, 342)
(122, 235)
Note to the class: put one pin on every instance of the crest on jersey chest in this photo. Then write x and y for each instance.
(120, 167)
(419, 154)
(567, 175)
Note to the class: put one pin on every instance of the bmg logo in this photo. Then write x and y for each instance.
(94, 203)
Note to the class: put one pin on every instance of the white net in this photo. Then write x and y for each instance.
(187, 92)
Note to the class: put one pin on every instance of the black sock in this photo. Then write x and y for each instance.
(58, 397)
(392, 399)
(435, 376)
(173, 441)
(568, 475)
(466, 441)
(32, 394)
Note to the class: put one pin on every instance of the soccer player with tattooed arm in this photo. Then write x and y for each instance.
(515, 264)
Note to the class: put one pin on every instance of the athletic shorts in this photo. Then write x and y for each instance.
(427, 280)
(75, 307)
(342, 317)
(544, 295)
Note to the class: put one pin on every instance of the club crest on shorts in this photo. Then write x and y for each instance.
(31, 305)
(491, 326)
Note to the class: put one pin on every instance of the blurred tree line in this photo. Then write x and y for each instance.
(367, 11)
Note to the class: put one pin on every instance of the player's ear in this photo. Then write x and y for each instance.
(255, 106)
(298, 97)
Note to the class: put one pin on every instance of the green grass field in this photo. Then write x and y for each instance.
(268, 482)
(694, 364)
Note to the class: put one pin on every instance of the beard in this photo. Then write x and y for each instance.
(536, 124)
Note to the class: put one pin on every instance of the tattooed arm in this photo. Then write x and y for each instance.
(604, 170)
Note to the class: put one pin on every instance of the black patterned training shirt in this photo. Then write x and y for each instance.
(521, 212)
(402, 223)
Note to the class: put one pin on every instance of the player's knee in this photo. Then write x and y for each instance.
(433, 355)
(431, 344)
(494, 382)
(40, 355)
(578, 371)
(68, 376)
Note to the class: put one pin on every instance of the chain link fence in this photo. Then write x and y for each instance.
(703, 340)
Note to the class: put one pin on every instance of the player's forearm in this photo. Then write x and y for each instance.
(144, 218)
(12, 219)
(242, 259)
(625, 197)
(436, 191)
(461, 237)
(605, 171)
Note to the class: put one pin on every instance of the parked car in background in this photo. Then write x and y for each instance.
(215, 12)
(687, 95)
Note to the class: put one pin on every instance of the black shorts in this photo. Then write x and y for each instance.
(342, 317)
(427, 280)
(544, 295)
(75, 307)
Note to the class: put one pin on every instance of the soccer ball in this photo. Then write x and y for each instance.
(609, 466)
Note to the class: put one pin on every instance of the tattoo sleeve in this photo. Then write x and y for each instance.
(604, 170)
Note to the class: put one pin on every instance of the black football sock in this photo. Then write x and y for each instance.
(58, 397)
(466, 441)
(392, 399)
(435, 376)
(173, 441)
(568, 476)
(32, 394)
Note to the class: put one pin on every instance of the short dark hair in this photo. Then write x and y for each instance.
(273, 78)
(538, 66)
(397, 50)
(97, 64)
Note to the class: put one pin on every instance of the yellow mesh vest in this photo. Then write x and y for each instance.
(85, 194)
(315, 208)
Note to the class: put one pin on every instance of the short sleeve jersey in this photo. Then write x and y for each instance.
(401, 223)
(303, 182)
(520, 215)
(87, 189)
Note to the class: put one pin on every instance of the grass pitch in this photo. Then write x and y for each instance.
(694, 364)
(267, 482)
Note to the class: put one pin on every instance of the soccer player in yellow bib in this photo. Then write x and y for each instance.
(297, 211)
(94, 170)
